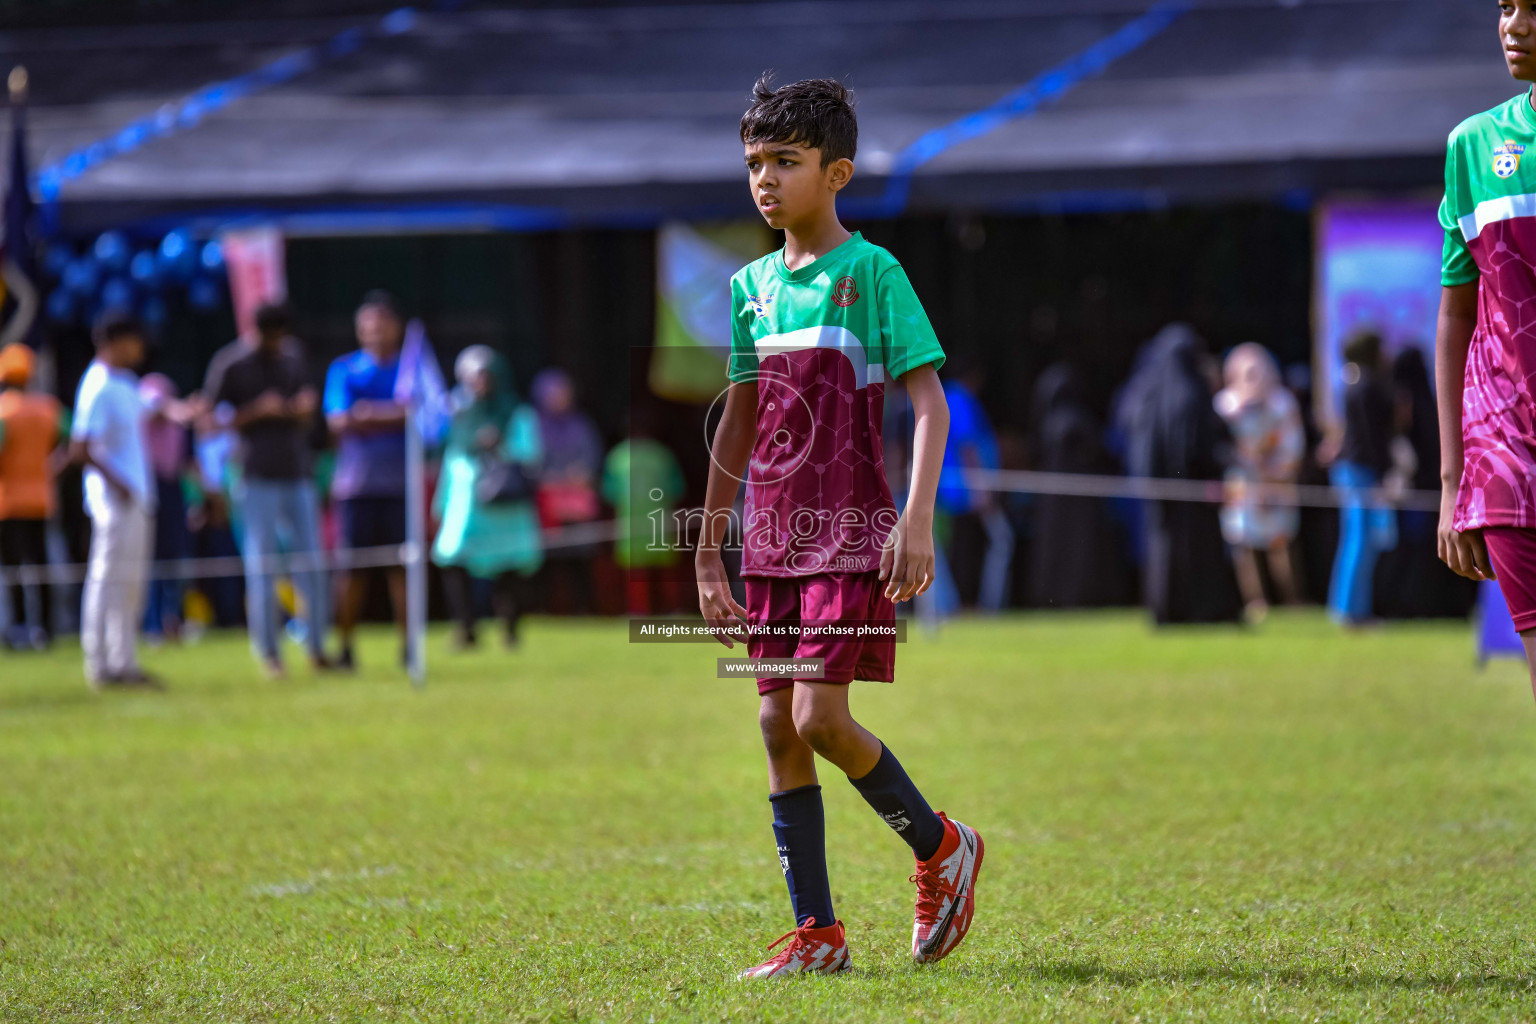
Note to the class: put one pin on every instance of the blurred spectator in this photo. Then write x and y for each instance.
(573, 457)
(1411, 581)
(273, 405)
(213, 522)
(369, 485)
(107, 436)
(1268, 444)
(972, 445)
(166, 440)
(1076, 558)
(1173, 432)
(30, 431)
(1360, 459)
(486, 494)
(642, 481)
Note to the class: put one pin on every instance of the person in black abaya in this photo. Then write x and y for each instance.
(1411, 581)
(1076, 557)
(1173, 432)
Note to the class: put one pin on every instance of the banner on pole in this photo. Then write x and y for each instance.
(257, 271)
(694, 264)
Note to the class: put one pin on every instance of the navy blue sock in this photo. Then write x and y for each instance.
(801, 830)
(890, 792)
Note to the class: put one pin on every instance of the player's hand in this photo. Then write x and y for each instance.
(305, 403)
(265, 406)
(719, 608)
(907, 560)
(1464, 551)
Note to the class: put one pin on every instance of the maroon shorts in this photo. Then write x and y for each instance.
(802, 601)
(1513, 553)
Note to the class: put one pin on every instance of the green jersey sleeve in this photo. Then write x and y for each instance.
(907, 340)
(1456, 263)
(743, 361)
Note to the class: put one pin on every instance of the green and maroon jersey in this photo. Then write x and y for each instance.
(1489, 216)
(821, 342)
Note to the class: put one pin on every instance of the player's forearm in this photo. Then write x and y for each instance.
(931, 431)
(387, 416)
(729, 454)
(1453, 336)
(84, 455)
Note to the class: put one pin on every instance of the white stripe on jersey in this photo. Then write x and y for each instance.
(1492, 211)
(839, 338)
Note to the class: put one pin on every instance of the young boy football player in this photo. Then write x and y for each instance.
(819, 327)
(1485, 351)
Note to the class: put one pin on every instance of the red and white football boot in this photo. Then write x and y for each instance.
(820, 950)
(946, 893)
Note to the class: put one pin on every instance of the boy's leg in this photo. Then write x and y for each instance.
(458, 589)
(125, 595)
(303, 518)
(823, 721)
(350, 581)
(1513, 554)
(93, 602)
(262, 515)
(799, 823)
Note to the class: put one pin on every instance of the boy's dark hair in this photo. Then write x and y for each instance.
(272, 317)
(381, 299)
(816, 113)
(1363, 349)
(114, 324)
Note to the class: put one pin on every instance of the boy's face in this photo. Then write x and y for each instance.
(125, 351)
(1517, 31)
(788, 183)
(378, 331)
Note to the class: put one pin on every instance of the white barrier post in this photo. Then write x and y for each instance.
(415, 548)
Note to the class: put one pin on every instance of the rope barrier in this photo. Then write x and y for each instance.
(1071, 485)
(342, 560)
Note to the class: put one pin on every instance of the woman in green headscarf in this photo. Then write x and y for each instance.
(485, 499)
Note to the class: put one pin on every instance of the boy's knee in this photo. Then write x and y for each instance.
(820, 728)
(778, 727)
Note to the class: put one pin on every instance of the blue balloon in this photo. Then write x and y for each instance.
(153, 311)
(61, 306)
(81, 275)
(213, 256)
(117, 293)
(178, 256)
(142, 268)
(112, 250)
(204, 293)
(55, 259)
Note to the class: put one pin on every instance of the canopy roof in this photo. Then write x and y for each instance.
(628, 113)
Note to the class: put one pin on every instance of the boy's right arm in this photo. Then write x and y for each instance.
(1464, 552)
(729, 454)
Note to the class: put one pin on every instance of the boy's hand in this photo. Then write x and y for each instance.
(718, 607)
(1465, 552)
(907, 560)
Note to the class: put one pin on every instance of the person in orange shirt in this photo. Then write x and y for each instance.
(30, 430)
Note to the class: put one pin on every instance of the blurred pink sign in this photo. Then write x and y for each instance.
(257, 271)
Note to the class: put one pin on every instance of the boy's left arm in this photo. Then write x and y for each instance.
(907, 559)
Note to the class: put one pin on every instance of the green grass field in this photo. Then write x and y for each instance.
(1282, 824)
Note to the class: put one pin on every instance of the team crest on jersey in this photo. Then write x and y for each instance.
(1506, 158)
(760, 304)
(845, 292)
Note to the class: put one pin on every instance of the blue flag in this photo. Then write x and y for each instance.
(420, 384)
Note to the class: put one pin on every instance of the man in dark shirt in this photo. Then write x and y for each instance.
(1365, 529)
(274, 406)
